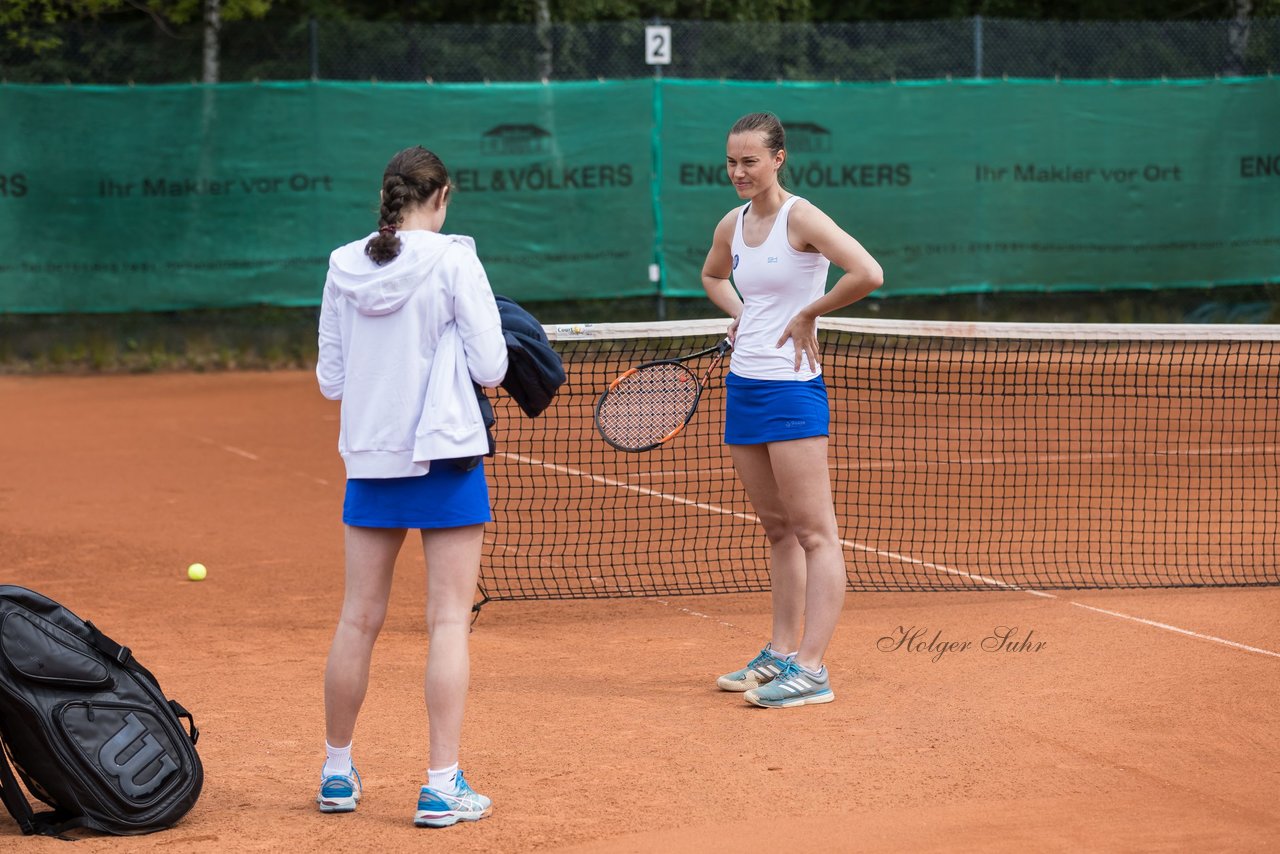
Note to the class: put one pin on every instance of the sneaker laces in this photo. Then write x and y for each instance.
(789, 670)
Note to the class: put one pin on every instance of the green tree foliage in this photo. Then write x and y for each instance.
(525, 11)
(562, 11)
(33, 24)
(155, 41)
(37, 24)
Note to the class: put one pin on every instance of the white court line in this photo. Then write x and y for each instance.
(694, 613)
(228, 448)
(231, 449)
(683, 474)
(937, 567)
(1170, 628)
(643, 490)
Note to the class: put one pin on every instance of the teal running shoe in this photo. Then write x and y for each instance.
(763, 668)
(793, 686)
(441, 809)
(339, 792)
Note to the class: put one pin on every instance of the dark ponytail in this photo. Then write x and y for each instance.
(409, 180)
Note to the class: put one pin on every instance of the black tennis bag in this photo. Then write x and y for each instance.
(86, 727)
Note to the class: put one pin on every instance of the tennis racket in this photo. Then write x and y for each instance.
(649, 405)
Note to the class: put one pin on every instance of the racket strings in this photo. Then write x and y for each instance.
(645, 407)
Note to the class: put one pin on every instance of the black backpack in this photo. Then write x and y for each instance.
(87, 728)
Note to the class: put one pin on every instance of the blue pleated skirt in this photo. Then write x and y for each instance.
(445, 497)
(758, 411)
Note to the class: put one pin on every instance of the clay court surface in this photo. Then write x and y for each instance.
(1144, 721)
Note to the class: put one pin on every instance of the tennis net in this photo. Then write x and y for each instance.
(963, 456)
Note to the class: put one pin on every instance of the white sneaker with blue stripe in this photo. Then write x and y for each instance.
(793, 686)
(339, 792)
(761, 669)
(441, 809)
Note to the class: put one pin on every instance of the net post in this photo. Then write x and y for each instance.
(475, 607)
(313, 37)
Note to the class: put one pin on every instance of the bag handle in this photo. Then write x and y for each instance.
(116, 652)
(181, 712)
(124, 657)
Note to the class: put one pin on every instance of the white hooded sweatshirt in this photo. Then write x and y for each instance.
(400, 345)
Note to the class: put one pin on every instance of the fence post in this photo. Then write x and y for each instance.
(212, 41)
(977, 46)
(313, 36)
(658, 269)
(542, 30)
(1238, 39)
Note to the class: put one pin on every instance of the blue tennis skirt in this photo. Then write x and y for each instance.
(758, 411)
(444, 497)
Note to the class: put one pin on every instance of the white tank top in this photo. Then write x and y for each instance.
(775, 282)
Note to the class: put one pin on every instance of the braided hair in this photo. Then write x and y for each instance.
(409, 180)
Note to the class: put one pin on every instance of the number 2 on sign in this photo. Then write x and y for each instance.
(657, 45)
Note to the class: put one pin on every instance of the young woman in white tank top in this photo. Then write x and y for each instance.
(777, 249)
(777, 282)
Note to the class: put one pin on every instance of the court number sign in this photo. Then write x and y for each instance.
(657, 45)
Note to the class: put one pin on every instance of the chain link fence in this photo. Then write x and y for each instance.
(140, 52)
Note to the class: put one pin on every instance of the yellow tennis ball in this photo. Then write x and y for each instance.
(196, 572)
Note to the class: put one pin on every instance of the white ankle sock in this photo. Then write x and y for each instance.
(444, 779)
(337, 761)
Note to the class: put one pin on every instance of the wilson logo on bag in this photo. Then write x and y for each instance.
(86, 727)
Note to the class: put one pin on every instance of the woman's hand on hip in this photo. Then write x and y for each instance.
(803, 334)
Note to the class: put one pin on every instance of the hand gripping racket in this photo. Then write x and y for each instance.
(650, 404)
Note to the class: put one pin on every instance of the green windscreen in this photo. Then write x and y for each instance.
(976, 186)
(170, 197)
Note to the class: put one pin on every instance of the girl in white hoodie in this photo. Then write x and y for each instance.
(408, 322)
